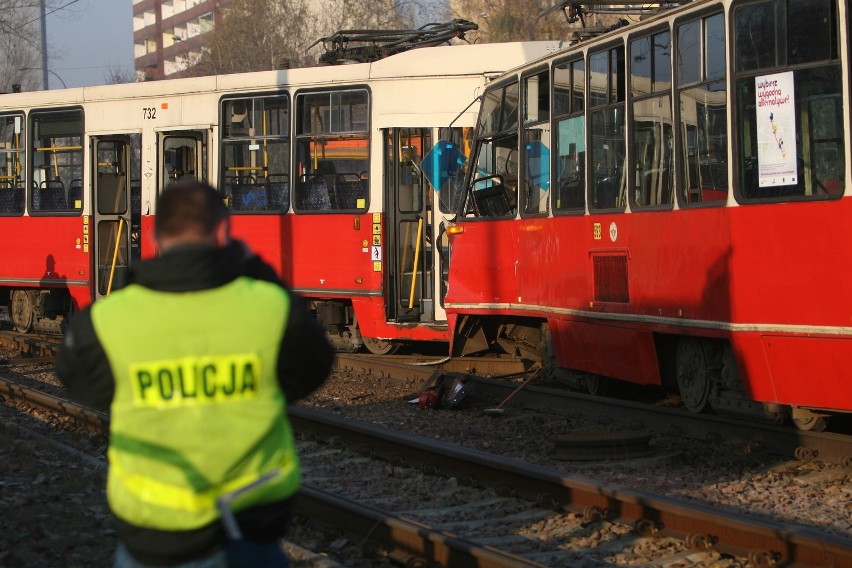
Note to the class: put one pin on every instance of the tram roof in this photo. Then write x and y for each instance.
(466, 59)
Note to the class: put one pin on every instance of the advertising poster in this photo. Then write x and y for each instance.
(776, 129)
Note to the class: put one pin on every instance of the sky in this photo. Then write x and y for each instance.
(87, 38)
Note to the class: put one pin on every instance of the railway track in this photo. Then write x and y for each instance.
(663, 421)
(31, 345)
(506, 495)
(657, 420)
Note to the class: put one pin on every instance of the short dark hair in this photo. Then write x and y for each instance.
(189, 207)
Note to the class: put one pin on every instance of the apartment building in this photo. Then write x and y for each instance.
(168, 34)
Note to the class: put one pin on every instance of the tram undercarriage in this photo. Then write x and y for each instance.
(39, 310)
(702, 371)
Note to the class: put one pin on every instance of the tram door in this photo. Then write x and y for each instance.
(182, 156)
(111, 222)
(412, 263)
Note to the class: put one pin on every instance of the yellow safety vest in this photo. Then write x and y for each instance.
(198, 411)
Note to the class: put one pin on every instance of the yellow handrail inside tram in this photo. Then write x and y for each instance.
(115, 254)
(416, 258)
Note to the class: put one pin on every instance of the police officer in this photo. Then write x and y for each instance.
(197, 358)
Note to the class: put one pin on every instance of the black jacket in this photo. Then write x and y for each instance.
(304, 362)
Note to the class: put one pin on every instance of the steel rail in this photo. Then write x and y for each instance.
(92, 419)
(411, 539)
(727, 531)
(407, 538)
(700, 524)
(32, 344)
(752, 434)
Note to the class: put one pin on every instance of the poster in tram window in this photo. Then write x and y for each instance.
(776, 129)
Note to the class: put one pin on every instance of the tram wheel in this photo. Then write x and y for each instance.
(380, 346)
(21, 311)
(693, 378)
(809, 421)
(596, 385)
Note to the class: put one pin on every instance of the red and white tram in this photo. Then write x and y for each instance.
(320, 167)
(669, 203)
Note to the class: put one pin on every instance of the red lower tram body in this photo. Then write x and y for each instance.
(49, 263)
(327, 259)
(46, 269)
(734, 305)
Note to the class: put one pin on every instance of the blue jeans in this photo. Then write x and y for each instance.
(238, 554)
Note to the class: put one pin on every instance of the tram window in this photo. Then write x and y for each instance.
(791, 127)
(489, 115)
(536, 98)
(332, 151)
(402, 167)
(57, 153)
(494, 190)
(451, 192)
(111, 177)
(570, 136)
(714, 47)
(499, 111)
(689, 53)
(650, 64)
(12, 164)
(570, 163)
(536, 140)
(807, 40)
(652, 132)
(606, 124)
(797, 152)
(608, 154)
(764, 37)
(598, 76)
(756, 36)
(704, 143)
(255, 175)
(652, 152)
(703, 148)
(180, 159)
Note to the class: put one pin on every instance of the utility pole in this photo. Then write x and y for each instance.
(44, 66)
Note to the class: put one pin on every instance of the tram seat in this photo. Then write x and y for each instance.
(11, 199)
(491, 202)
(276, 192)
(52, 195)
(833, 186)
(20, 197)
(326, 168)
(75, 194)
(348, 189)
(248, 197)
(317, 196)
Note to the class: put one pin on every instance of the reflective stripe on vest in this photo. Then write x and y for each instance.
(197, 411)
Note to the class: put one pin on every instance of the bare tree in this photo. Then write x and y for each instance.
(117, 75)
(256, 35)
(519, 20)
(20, 44)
